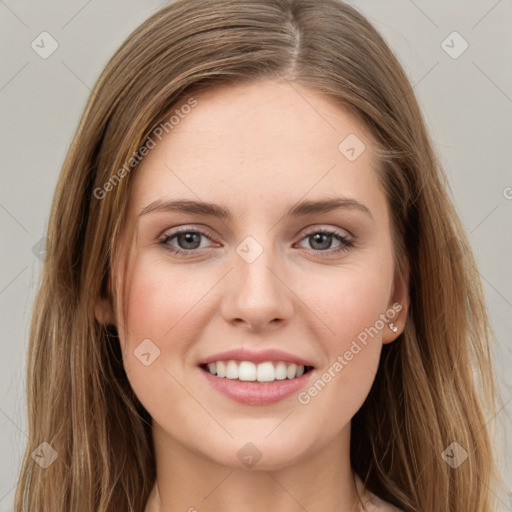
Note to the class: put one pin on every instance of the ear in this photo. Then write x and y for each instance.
(104, 312)
(398, 305)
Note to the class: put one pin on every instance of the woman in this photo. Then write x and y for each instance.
(257, 293)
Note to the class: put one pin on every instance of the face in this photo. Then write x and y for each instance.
(273, 284)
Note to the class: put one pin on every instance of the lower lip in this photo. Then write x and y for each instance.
(256, 393)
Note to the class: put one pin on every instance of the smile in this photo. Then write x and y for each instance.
(247, 371)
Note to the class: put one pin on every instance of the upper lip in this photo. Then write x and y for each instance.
(260, 356)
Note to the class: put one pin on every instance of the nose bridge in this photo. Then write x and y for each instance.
(257, 294)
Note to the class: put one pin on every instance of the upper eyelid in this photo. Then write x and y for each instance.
(315, 229)
(169, 233)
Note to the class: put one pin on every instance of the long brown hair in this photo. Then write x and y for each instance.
(434, 384)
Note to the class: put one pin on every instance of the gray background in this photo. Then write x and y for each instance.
(467, 102)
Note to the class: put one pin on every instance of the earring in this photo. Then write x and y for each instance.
(393, 327)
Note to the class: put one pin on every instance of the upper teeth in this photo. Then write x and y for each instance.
(249, 371)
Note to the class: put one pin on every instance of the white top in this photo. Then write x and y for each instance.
(371, 502)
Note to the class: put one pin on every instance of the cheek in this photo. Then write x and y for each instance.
(158, 300)
(352, 346)
(349, 301)
(155, 322)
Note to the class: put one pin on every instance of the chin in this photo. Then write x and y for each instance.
(261, 454)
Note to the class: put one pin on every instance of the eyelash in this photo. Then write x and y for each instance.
(346, 243)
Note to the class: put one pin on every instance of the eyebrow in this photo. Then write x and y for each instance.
(299, 209)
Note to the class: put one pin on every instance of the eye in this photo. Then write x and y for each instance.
(188, 240)
(321, 239)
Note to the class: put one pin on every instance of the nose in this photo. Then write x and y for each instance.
(257, 294)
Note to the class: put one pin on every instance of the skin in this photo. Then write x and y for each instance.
(255, 149)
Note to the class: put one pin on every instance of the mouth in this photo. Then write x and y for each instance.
(249, 371)
(256, 379)
(253, 377)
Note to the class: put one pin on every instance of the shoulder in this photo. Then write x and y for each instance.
(372, 503)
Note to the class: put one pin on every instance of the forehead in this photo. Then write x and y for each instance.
(258, 141)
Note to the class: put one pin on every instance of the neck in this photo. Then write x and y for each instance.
(186, 481)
